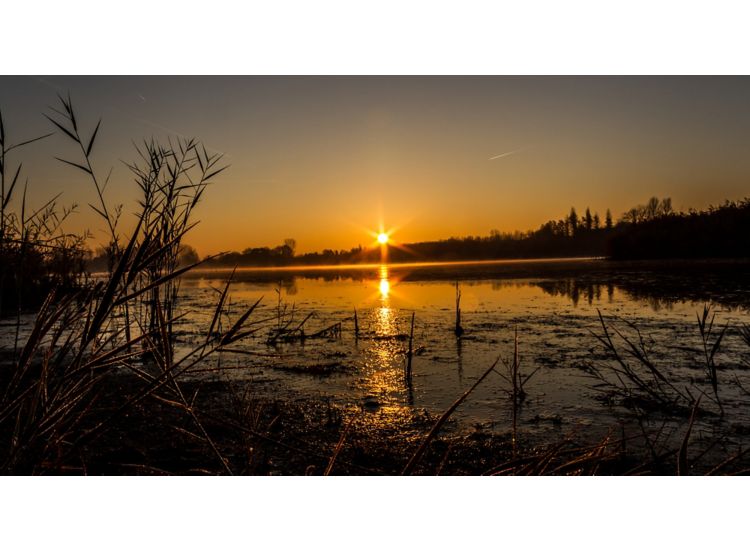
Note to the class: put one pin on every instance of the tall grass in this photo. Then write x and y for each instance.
(50, 392)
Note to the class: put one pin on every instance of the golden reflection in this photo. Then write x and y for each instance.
(384, 286)
(384, 375)
(384, 314)
(385, 322)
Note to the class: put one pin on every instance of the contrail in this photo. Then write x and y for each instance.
(501, 155)
(40, 80)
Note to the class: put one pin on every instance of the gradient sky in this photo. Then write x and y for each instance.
(323, 159)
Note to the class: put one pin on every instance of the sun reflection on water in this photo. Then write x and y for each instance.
(384, 286)
(384, 315)
(383, 376)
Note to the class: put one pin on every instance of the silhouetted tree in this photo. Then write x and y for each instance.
(291, 244)
(573, 221)
(588, 220)
(608, 220)
(719, 232)
(651, 210)
(187, 255)
(597, 221)
(632, 216)
(666, 207)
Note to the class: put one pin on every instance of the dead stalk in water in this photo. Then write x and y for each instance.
(705, 327)
(410, 352)
(682, 464)
(458, 330)
(337, 449)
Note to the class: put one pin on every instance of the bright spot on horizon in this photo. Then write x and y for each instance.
(383, 238)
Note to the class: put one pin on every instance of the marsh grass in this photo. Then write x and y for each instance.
(563, 458)
(711, 342)
(635, 379)
(48, 406)
(517, 382)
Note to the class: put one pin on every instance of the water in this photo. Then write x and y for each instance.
(554, 306)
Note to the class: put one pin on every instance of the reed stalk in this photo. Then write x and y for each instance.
(410, 351)
(458, 329)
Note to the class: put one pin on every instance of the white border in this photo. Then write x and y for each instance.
(375, 37)
(384, 37)
(372, 513)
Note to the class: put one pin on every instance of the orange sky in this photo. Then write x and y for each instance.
(322, 160)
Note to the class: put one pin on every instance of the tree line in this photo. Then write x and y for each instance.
(646, 231)
(654, 233)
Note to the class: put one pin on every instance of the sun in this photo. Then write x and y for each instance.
(383, 238)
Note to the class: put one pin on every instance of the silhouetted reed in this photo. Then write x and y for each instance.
(419, 453)
(410, 351)
(458, 330)
(563, 458)
(637, 381)
(49, 407)
(517, 383)
(705, 326)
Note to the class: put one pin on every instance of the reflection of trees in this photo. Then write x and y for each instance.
(591, 292)
(289, 286)
(658, 291)
(570, 288)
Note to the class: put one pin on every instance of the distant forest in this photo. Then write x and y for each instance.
(649, 231)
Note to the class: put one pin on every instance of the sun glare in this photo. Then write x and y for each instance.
(383, 238)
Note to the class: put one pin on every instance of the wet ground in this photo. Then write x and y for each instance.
(553, 305)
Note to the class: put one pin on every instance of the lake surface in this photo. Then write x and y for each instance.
(553, 305)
